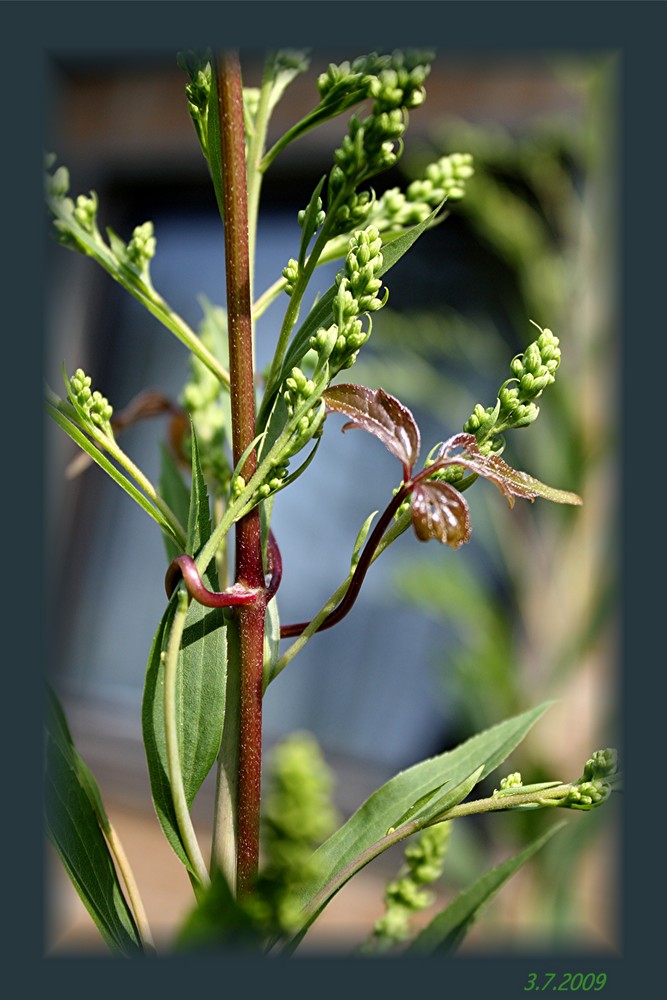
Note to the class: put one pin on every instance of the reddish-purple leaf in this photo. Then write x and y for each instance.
(511, 482)
(439, 511)
(375, 411)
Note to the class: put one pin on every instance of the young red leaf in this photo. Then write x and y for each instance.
(375, 411)
(511, 482)
(439, 511)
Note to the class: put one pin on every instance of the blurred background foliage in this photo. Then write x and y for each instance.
(534, 615)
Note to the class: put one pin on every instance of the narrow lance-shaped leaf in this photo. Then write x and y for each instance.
(202, 667)
(75, 817)
(448, 928)
(214, 155)
(382, 415)
(176, 494)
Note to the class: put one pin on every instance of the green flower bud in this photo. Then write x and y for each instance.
(532, 359)
(85, 212)
(602, 764)
(517, 367)
(291, 273)
(508, 397)
(57, 184)
(141, 248)
(238, 486)
(587, 795)
(96, 408)
(540, 382)
(407, 894)
(523, 414)
(324, 342)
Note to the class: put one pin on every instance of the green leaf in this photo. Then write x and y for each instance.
(309, 224)
(271, 643)
(361, 539)
(199, 514)
(370, 822)
(213, 140)
(448, 928)
(202, 674)
(431, 805)
(176, 495)
(73, 805)
(152, 722)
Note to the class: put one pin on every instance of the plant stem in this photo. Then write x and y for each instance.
(249, 565)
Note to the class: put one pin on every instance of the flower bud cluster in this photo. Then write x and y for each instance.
(443, 180)
(197, 92)
(69, 216)
(291, 273)
(358, 288)
(396, 78)
(319, 219)
(603, 764)
(342, 79)
(373, 143)
(141, 248)
(297, 815)
(93, 404)
(587, 795)
(298, 389)
(76, 222)
(513, 780)
(594, 786)
(406, 895)
(85, 212)
(532, 372)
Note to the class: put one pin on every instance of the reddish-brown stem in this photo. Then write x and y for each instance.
(365, 559)
(249, 568)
